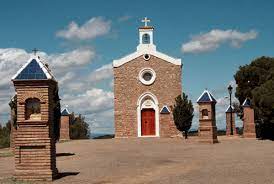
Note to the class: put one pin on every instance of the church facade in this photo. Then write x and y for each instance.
(146, 84)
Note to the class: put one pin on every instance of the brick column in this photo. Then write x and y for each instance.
(34, 141)
(207, 131)
(228, 123)
(35, 150)
(64, 128)
(249, 123)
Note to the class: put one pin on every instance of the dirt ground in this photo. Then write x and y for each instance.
(160, 161)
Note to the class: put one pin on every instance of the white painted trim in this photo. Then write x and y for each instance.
(149, 49)
(66, 110)
(164, 107)
(42, 66)
(228, 108)
(144, 70)
(245, 102)
(209, 95)
(157, 114)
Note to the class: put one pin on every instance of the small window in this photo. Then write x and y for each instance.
(33, 109)
(205, 114)
(146, 57)
(146, 39)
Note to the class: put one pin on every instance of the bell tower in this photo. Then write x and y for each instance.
(146, 36)
(37, 122)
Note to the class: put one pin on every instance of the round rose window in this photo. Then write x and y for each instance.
(147, 76)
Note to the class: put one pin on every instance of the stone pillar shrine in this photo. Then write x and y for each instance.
(64, 125)
(230, 114)
(207, 131)
(248, 120)
(37, 101)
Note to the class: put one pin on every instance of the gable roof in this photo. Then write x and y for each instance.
(33, 69)
(230, 109)
(146, 50)
(205, 97)
(65, 112)
(247, 103)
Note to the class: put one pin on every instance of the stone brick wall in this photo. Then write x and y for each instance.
(228, 123)
(207, 131)
(35, 151)
(64, 128)
(128, 88)
(249, 123)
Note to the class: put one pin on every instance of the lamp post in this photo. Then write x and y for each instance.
(230, 92)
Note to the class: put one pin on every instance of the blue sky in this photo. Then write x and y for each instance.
(230, 34)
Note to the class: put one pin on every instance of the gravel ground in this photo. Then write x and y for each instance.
(160, 161)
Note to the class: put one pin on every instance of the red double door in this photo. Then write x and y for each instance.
(148, 122)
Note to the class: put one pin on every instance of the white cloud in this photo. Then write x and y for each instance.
(77, 57)
(96, 26)
(104, 72)
(11, 59)
(92, 101)
(124, 18)
(213, 39)
(68, 76)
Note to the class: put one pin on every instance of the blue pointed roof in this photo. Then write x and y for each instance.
(165, 110)
(247, 103)
(34, 69)
(206, 97)
(65, 112)
(229, 109)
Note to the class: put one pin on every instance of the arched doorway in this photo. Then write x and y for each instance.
(148, 115)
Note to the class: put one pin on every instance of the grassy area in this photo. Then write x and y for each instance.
(62, 141)
(6, 153)
(12, 181)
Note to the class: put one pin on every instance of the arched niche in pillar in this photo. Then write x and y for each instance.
(204, 114)
(33, 109)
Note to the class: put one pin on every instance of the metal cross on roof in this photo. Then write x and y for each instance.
(145, 20)
(35, 50)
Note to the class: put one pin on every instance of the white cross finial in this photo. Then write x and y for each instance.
(145, 20)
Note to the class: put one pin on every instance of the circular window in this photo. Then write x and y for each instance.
(146, 57)
(147, 76)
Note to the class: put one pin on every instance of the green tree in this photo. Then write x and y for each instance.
(79, 129)
(183, 113)
(5, 135)
(256, 81)
(56, 114)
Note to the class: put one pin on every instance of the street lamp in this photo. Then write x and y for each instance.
(230, 92)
